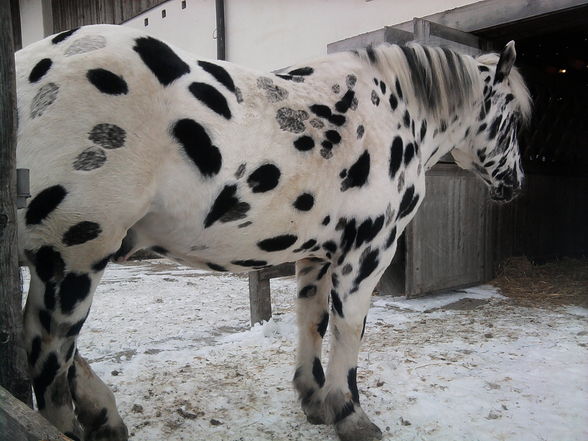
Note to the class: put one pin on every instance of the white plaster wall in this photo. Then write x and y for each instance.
(192, 28)
(271, 34)
(31, 21)
(262, 34)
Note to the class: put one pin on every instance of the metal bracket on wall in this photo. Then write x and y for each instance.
(23, 189)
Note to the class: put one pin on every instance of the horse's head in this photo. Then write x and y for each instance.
(493, 150)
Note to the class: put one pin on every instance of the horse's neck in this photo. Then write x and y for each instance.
(443, 137)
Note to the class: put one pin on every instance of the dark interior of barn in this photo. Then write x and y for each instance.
(550, 220)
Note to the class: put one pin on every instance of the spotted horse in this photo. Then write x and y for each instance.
(132, 143)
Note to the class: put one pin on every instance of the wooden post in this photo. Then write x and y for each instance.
(19, 423)
(13, 361)
(260, 301)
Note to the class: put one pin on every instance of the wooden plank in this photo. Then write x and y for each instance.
(20, 423)
(446, 239)
(12, 355)
(285, 269)
(16, 29)
(478, 16)
(260, 302)
(492, 13)
(434, 34)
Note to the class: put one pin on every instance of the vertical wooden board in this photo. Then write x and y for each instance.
(446, 239)
(13, 361)
(260, 303)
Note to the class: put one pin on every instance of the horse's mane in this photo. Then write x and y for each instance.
(440, 80)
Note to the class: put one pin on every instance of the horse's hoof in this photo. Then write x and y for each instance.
(109, 433)
(357, 427)
(315, 419)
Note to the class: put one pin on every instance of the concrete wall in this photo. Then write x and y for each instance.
(271, 34)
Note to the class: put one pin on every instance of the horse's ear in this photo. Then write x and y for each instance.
(506, 61)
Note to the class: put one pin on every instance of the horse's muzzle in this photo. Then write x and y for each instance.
(504, 193)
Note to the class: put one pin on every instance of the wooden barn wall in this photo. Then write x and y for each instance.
(69, 14)
(446, 241)
(550, 220)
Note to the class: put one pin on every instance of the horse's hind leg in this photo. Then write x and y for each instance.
(63, 280)
(95, 403)
(314, 283)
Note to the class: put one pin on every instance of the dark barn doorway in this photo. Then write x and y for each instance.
(550, 220)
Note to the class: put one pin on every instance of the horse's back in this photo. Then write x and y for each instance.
(204, 159)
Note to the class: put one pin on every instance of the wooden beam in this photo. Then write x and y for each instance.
(488, 14)
(483, 15)
(12, 354)
(20, 423)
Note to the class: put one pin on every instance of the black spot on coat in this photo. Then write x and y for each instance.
(344, 103)
(249, 263)
(107, 82)
(337, 306)
(109, 136)
(303, 71)
(393, 101)
(396, 152)
(398, 89)
(307, 292)
(321, 110)
(226, 207)
(406, 119)
(304, 202)
(165, 64)
(367, 265)
(40, 69)
(352, 383)
(264, 178)
(63, 35)
(81, 232)
(219, 73)
(391, 238)
(358, 173)
(408, 202)
(198, 146)
(45, 320)
(215, 267)
(76, 328)
(333, 136)
(304, 143)
(35, 351)
(49, 264)
(74, 289)
(44, 203)
(368, 230)
(101, 264)
(317, 372)
(89, 159)
(45, 378)
(277, 243)
(322, 326)
(211, 97)
(494, 127)
(408, 153)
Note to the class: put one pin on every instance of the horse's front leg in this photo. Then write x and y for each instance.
(353, 283)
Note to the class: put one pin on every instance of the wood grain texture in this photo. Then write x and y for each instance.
(20, 423)
(12, 354)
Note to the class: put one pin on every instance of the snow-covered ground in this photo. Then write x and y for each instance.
(176, 348)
